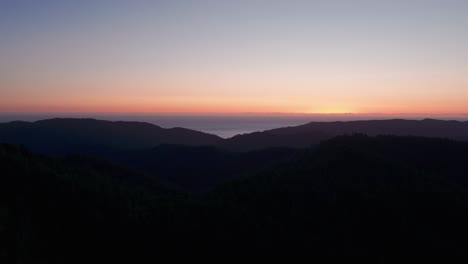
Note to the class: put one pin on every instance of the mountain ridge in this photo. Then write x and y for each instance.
(68, 133)
(383, 197)
(314, 132)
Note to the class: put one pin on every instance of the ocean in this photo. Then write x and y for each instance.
(224, 125)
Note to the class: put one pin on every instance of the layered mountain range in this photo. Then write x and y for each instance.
(65, 134)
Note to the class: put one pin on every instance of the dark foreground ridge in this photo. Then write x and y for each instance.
(382, 198)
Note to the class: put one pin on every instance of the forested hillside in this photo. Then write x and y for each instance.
(378, 198)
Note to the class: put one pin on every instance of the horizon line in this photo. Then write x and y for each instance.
(225, 113)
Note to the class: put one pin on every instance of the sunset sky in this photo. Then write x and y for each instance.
(227, 56)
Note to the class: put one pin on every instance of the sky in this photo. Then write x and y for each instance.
(226, 56)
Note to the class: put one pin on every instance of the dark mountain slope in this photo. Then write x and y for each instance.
(68, 210)
(383, 198)
(189, 168)
(169, 155)
(264, 140)
(315, 132)
(75, 135)
(65, 135)
(202, 168)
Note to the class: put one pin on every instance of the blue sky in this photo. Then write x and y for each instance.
(197, 56)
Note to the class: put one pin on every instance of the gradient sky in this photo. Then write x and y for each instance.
(330, 56)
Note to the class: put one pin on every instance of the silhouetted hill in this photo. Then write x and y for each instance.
(176, 156)
(315, 132)
(64, 135)
(382, 198)
(385, 198)
(267, 139)
(76, 135)
(201, 168)
(192, 168)
(70, 209)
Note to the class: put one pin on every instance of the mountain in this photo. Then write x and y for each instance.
(67, 210)
(382, 198)
(200, 168)
(195, 161)
(65, 135)
(193, 168)
(180, 158)
(76, 135)
(385, 198)
(315, 132)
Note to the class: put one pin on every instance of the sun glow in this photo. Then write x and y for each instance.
(331, 110)
(205, 58)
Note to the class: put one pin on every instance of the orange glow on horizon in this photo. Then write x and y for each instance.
(167, 57)
(221, 109)
(215, 103)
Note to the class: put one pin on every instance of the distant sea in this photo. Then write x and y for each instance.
(224, 125)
